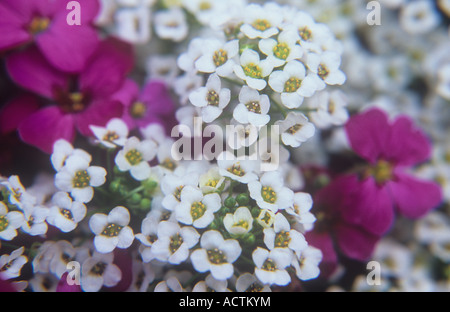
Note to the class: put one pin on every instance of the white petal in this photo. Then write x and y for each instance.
(120, 216)
(141, 172)
(83, 195)
(97, 176)
(98, 222)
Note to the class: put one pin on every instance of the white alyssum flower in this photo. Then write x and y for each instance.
(326, 67)
(162, 67)
(185, 84)
(253, 107)
(253, 70)
(419, 17)
(35, 220)
(113, 134)
(331, 109)
(443, 85)
(283, 49)
(62, 149)
(266, 218)
(271, 266)
(241, 170)
(282, 236)
(171, 24)
(112, 230)
(197, 209)
(306, 263)
(147, 237)
(135, 157)
(293, 83)
(249, 283)
(301, 210)
(64, 213)
(211, 181)
(143, 276)
(218, 56)
(79, 178)
(174, 242)
(61, 253)
(211, 284)
(205, 11)
(270, 192)
(18, 195)
(134, 24)
(295, 129)
(240, 222)
(216, 255)
(261, 21)
(171, 187)
(241, 135)
(212, 98)
(98, 271)
(10, 221)
(11, 265)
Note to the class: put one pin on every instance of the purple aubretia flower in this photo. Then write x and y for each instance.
(44, 22)
(152, 104)
(76, 101)
(384, 186)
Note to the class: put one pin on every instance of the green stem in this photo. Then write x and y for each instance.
(136, 190)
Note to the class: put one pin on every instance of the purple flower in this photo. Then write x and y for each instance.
(383, 186)
(44, 22)
(152, 104)
(76, 101)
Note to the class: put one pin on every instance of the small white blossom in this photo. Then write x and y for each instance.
(253, 107)
(212, 99)
(218, 56)
(307, 263)
(172, 185)
(98, 271)
(211, 284)
(241, 135)
(261, 21)
(134, 24)
(326, 67)
(240, 222)
(197, 209)
(216, 255)
(282, 236)
(135, 157)
(249, 283)
(114, 134)
(253, 70)
(283, 49)
(62, 150)
(211, 181)
(331, 109)
(271, 266)
(65, 214)
(270, 192)
(9, 222)
(11, 265)
(243, 171)
(419, 17)
(295, 129)
(171, 24)
(79, 178)
(266, 218)
(300, 209)
(35, 220)
(112, 230)
(18, 195)
(147, 237)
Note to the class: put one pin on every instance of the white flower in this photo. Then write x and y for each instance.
(111, 230)
(11, 265)
(114, 134)
(253, 107)
(241, 222)
(331, 109)
(147, 237)
(271, 266)
(174, 242)
(143, 276)
(60, 253)
(134, 24)
(283, 49)
(204, 10)
(197, 209)
(326, 67)
(270, 192)
(241, 135)
(186, 61)
(18, 195)
(154, 132)
(261, 21)
(307, 263)
(301, 208)
(171, 24)
(234, 168)
(419, 17)
(171, 187)
(170, 283)
(295, 129)
(185, 84)
(266, 218)
(98, 271)
(162, 67)
(443, 87)
(282, 236)
(62, 150)
(9, 222)
(211, 181)
(293, 84)
(249, 283)
(218, 56)
(65, 214)
(212, 99)
(134, 157)
(216, 255)
(252, 70)
(211, 284)
(79, 178)
(35, 220)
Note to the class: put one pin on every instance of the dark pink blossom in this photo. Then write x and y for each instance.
(44, 23)
(76, 101)
(152, 104)
(385, 186)
(63, 285)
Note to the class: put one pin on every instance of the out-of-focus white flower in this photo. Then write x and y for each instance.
(295, 129)
(249, 283)
(134, 24)
(35, 220)
(211, 284)
(171, 24)
(112, 230)
(162, 67)
(331, 109)
(61, 152)
(9, 222)
(306, 263)
(443, 87)
(11, 265)
(326, 67)
(419, 17)
(261, 21)
(98, 271)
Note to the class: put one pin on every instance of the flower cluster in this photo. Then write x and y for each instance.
(116, 175)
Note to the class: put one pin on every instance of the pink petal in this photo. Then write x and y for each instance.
(45, 127)
(324, 242)
(15, 111)
(355, 242)
(413, 197)
(12, 28)
(30, 70)
(407, 145)
(157, 97)
(368, 133)
(63, 285)
(61, 40)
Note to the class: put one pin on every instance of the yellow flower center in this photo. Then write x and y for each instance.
(382, 171)
(134, 157)
(268, 194)
(175, 242)
(254, 107)
(38, 25)
(252, 70)
(110, 136)
(67, 214)
(294, 129)
(281, 51)
(168, 164)
(236, 170)
(81, 179)
(261, 24)
(282, 239)
(269, 265)
(292, 85)
(112, 230)
(3, 223)
(138, 110)
(198, 210)
(220, 57)
(323, 71)
(305, 33)
(216, 256)
(212, 98)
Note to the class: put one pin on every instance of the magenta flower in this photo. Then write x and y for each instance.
(76, 101)
(44, 22)
(383, 186)
(152, 104)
